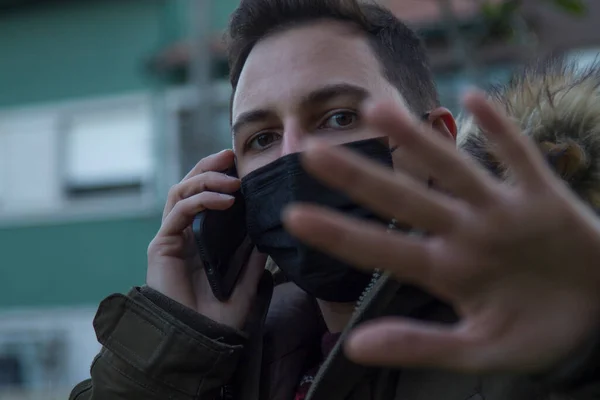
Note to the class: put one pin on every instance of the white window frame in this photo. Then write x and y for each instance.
(67, 117)
(102, 207)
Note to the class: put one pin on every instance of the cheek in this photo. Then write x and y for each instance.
(245, 165)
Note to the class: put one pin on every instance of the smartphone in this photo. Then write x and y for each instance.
(223, 243)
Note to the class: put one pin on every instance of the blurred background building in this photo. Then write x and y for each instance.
(100, 104)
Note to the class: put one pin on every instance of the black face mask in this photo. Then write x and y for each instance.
(269, 189)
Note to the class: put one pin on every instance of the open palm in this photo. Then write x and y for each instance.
(518, 261)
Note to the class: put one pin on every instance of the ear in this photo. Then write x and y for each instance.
(441, 120)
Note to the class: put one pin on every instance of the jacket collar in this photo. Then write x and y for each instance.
(338, 375)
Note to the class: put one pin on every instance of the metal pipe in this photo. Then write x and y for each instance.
(198, 139)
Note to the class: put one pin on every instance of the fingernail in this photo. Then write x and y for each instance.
(226, 196)
(468, 90)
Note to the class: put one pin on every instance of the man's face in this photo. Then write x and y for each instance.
(302, 82)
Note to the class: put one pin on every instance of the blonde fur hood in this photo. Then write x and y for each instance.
(557, 104)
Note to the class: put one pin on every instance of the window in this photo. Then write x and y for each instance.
(11, 371)
(107, 150)
(45, 351)
(88, 157)
(30, 360)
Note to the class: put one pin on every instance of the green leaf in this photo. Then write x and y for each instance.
(574, 7)
(503, 10)
(510, 6)
(489, 10)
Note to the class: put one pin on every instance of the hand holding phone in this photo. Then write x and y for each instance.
(174, 264)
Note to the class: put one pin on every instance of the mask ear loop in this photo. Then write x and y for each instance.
(393, 225)
(425, 118)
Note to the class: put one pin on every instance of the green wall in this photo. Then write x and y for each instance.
(77, 49)
(178, 11)
(221, 10)
(67, 50)
(73, 263)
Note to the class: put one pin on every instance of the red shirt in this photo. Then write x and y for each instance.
(328, 342)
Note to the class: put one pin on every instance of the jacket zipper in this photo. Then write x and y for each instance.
(375, 277)
(360, 304)
(227, 392)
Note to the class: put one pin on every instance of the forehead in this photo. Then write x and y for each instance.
(282, 68)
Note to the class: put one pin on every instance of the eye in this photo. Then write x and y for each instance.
(262, 141)
(340, 120)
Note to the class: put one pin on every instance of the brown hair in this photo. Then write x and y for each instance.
(398, 48)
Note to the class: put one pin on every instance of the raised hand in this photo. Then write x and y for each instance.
(518, 261)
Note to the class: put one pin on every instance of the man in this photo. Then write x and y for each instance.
(301, 70)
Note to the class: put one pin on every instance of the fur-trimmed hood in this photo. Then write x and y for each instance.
(557, 103)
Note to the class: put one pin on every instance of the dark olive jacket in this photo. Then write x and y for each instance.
(154, 348)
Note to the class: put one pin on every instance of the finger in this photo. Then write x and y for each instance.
(219, 162)
(453, 171)
(206, 181)
(183, 213)
(392, 195)
(514, 148)
(360, 243)
(398, 342)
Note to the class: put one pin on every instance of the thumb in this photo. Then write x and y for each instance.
(399, 342)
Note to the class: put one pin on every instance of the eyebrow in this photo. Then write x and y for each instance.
(316, 97)
(250, 117)
(330, 92)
